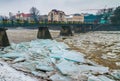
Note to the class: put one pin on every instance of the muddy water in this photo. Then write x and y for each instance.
(101, 47)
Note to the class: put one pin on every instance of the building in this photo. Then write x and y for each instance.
(43, 18)
(90, 18)
(24, 16)
(56, 16)
(74, 18)
(59, 16)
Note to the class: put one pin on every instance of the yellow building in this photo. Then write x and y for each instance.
(74, 18)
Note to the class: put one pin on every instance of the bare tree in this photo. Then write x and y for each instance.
(115, 18)
(35, 14)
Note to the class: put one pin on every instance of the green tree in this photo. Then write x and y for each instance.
(115, 19)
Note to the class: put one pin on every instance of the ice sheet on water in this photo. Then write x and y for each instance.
(13, 45)
(9, 74)
(73, 56)
(58, 77)
(57, 54)
(13, 55)
(44, 68)
(71, 68)
(21, 46)
(40, 54)
(19, 59)
(99, 78)
(39, 74)
(116, 74)
(68, 55)
(94, 69)
(48, 43)
(67, 68)
(26, 66)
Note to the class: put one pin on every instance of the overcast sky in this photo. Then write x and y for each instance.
(68, 6)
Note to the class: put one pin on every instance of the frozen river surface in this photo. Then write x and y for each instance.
(92, 56)
(52, 60)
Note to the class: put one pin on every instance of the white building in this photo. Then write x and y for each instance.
(74, 18)
(56, 15)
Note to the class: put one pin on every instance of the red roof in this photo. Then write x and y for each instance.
(24, 15)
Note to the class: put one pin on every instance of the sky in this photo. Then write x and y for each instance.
(45, 6)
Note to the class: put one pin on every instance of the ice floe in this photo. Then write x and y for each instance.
(41, 57)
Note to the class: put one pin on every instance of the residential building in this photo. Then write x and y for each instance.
(24, 16)
(56, 15)
(74, 18)
(43, 18)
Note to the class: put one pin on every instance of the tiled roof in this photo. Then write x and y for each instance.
(24, 15)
